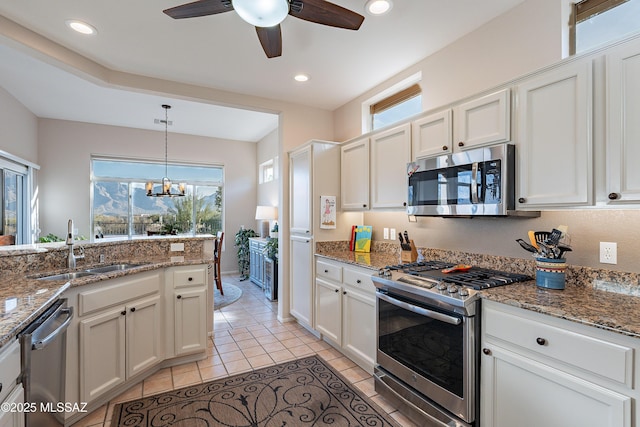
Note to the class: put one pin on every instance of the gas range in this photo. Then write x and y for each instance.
(456, 291)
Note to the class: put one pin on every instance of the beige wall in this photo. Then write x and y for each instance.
(267, 149)
(18, 128)
(66, 148)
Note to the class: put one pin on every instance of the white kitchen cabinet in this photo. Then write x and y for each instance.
(432, 135)
(117, 344)
(300, 190)
(622, 124)
(483, 121)
(16, 417)
(301, 292)
(354, 175)
(554, 119)
(537, 370)
(346, 310)
(187, 286)
(11, 393)
(390, 153)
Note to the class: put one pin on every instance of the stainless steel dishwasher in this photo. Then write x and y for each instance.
(43, 351)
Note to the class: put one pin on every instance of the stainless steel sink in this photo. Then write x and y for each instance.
(109, 268)
(67, 276)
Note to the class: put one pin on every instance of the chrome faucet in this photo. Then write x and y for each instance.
(71, 259)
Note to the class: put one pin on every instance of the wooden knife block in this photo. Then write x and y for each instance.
(409, 256)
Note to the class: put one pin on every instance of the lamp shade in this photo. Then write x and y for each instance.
(266, 212)
(263, 13)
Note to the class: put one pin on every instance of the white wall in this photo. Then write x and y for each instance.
(268, 192)
(18, 128)
(66, 147)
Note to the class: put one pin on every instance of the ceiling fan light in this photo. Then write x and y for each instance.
(378, 7)
(262, 13)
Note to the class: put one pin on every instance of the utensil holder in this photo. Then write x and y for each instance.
(409, 255)
(551, 273)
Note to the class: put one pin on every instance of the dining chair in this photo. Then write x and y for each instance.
(217, 254)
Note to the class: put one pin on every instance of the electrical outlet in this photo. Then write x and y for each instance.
(385, 233)
(608, 252)
(393, 234)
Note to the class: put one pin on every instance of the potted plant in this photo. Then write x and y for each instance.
(242, 245)
(271, 249)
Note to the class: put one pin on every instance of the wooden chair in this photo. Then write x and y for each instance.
(7, 239)
(217, 254)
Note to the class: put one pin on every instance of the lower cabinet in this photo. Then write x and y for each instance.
(541, 371)
(11, 393)
(189, 294)
(301, 288)
(14, 418)
(345, 309)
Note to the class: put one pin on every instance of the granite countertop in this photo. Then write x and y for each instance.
(581, 301)
(24, 298)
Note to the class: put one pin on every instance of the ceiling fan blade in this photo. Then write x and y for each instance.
(199, 8)
(325, 13)
(271, 40)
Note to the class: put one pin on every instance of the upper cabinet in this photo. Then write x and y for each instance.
(554, 119)
(301, 169)
(622, 124)
(432, 135)
(373, 170)
(483, 121)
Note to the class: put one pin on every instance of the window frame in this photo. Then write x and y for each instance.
(584, 10)
(27, 228)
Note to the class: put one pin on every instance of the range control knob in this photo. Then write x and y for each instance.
(442, 286)
(452, 289)
(464, 292)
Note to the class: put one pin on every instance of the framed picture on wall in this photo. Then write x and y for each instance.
(327, 211)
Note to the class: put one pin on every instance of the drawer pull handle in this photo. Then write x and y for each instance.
(445, 148)
(0, 387)
(337, 290)
(522, 200)
(190, 279)
(541, 341)
(179, 296)
(326, 271)
(486, 351)
(358, 281)
(614, 196)
(460, 144)
(133, 309)
(344, 292)
(123, 312)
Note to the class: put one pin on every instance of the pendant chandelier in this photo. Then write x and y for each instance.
(166, 182)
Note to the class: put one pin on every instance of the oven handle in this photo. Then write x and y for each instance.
(419, 310)
(474, 183)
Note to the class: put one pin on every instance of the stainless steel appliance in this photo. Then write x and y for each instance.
(428, 336)
(474, 182)
(43, 350)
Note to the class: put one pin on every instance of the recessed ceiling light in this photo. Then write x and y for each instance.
(378, 7)
(81, 27)
(301, 78)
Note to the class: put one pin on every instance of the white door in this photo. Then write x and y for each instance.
(359, 325)
(390, 153)
(102, 353)
(623, 124)
(554, 136)
(190, 333)
(483, 121)
(517, 391)
(329, 310)
(300, 181)
(432, 135)
(144, 338)
(354, 175)
(301, 279)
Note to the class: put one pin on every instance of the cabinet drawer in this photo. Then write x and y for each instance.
(594, 355)
(189, 276)
(330, 271)
(118, 291)
(9, 367)
(359, 279)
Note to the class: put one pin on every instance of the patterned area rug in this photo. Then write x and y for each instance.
(232, 293)
(304, 392)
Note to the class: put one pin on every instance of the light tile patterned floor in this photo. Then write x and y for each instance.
(247, 336)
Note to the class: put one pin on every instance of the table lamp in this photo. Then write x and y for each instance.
(266, 214)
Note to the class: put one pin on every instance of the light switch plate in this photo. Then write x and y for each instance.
(177, 247)
(393, 234)
(385, 232)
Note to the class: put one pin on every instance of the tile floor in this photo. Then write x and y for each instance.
(247, 336)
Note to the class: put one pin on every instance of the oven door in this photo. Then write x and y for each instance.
(431, 351)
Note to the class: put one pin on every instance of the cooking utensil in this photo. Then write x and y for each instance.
(457, 267)
(406, 237)
(404, 245)
(541, 236)
(532, 239)
(554, 237)
(527, 246)
(563, 249)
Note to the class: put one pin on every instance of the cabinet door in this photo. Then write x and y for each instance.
(329, 310)
(300, 180)
(554, 129)
(13, 418)
(359, 325)
(301, 279)
(354, 175)
(517, 391)
(432, 135)
(390, 153)
(190, 323)
(623, 125)
(102, 353)
(483, 121)
(144, 335)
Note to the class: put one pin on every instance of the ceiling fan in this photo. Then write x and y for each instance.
(266, 16)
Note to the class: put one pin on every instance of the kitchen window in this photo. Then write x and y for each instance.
(16, 178)
(397, 107)
(595, 22)
(121, 208)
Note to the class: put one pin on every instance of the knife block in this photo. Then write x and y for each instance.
(409, 256)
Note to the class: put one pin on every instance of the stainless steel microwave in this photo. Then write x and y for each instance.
(479, 181)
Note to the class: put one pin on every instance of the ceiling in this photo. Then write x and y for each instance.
(221, 52)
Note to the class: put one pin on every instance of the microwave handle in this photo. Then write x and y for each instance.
(474, 183)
